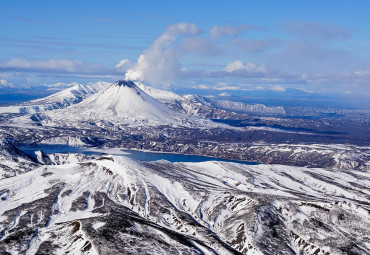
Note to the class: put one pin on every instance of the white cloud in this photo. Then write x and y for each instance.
(278, 88)
(123, 63)
(227, 88)
(321, 31)
(248, 67)
(225, 94)
(183, 29)
(362, 73)
(160, 63)
(231, 31)
(51, 65)
(202, 46)
(31, 69)
(256, 45)
(60, 85)
(200, 86)
(362, 76)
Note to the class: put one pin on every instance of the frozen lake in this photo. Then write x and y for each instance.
(133, 154)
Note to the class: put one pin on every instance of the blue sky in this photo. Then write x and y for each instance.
(321, 46)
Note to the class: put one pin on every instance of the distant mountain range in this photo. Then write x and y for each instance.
(207, 107)
(289, 97)
(4, 84)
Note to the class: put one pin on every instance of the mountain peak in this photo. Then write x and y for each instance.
(122, 102)
(126, 83)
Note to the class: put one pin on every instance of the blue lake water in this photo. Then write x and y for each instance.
(150, 156)
(133, 154)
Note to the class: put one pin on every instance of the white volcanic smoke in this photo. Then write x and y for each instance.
(160, 62)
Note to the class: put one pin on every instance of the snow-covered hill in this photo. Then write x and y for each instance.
(114, 205)
(58, 100)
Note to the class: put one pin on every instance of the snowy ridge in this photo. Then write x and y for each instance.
(58, 100)
(204, 106)
(12, 160)
(240, 107)
(158, 94)
(117, 205)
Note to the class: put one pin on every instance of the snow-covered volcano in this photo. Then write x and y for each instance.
(124, 103)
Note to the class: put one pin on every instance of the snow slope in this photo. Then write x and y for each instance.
(158, 94)
(114, 205)
(58, 100)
